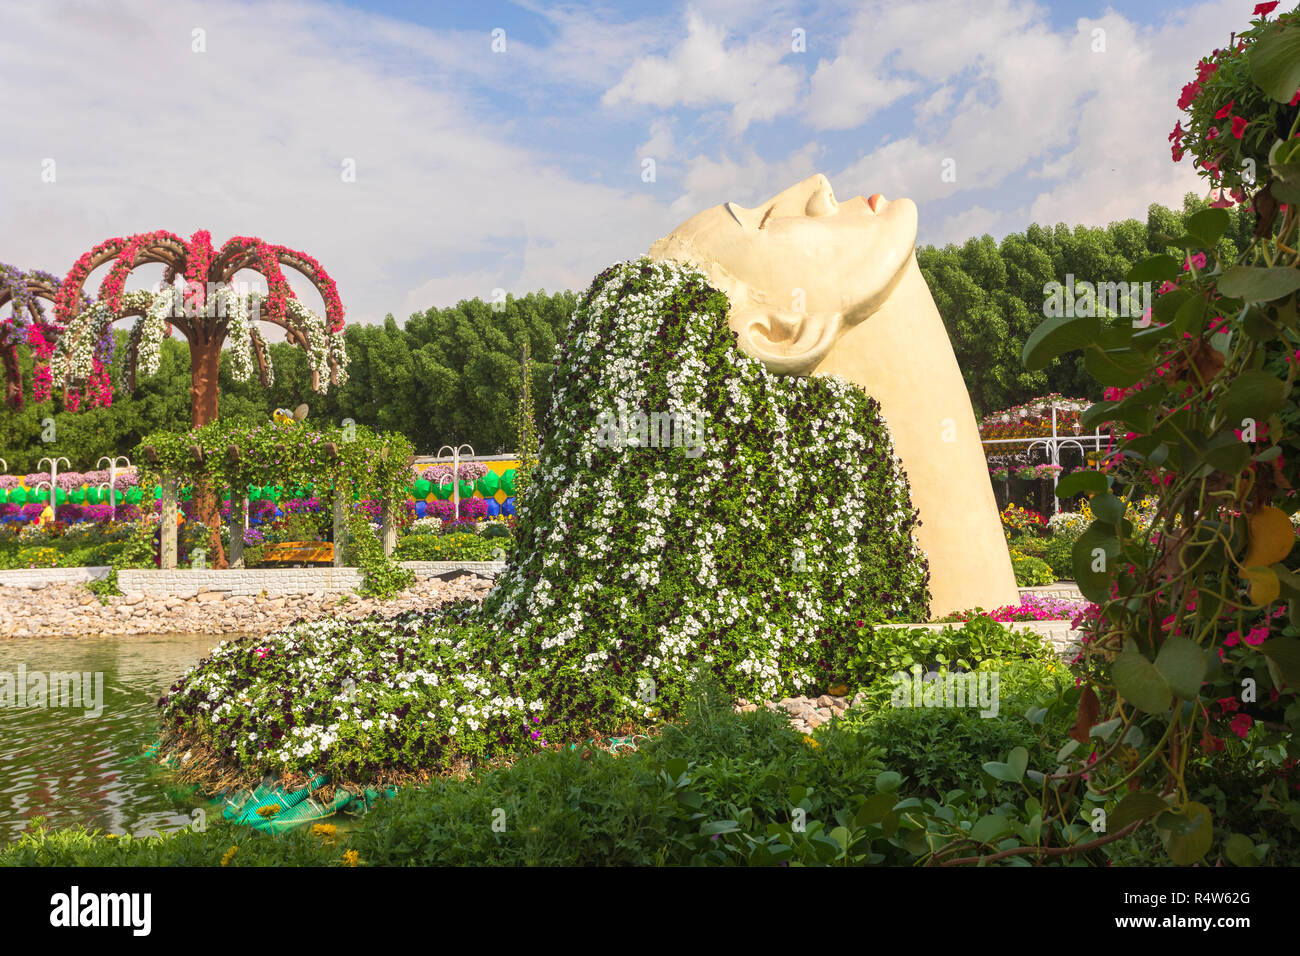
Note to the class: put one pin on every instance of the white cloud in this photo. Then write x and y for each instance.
(1039, 105)
(249, 138)
(703, 70)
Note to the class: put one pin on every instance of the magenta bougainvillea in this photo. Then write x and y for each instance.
(29, 326)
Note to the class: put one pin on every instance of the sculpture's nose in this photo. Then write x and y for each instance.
(811, 197)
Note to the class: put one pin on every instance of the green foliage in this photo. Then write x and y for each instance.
(355, 459)
(1058, 553)
(526, 429)
(82, 847)
(381, 575)
(1191, 645)
(881, 652)
(944, 748)
(450, 547)
(991, 294)
(1031, 572)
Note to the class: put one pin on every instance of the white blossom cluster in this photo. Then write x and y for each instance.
(74, 352)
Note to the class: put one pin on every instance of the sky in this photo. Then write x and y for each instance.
(427, 152)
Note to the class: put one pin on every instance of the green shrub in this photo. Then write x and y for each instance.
(1031, 572)
(1058, 555)
(449, 547)
(1031, 545)
(938, 749)
(882, 652)
(381, 576)
(82, 847)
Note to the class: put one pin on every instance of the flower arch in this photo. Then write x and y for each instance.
(196, 297)
(28, 325)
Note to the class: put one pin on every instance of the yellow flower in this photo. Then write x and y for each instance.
(810, 742)
(351, 857)
(323, 829)
(269, 810)
(230, 855)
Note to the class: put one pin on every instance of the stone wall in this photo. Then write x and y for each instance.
(184, 582)
(1063, 590)
(40, 577)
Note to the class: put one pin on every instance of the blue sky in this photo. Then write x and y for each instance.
(523, 169)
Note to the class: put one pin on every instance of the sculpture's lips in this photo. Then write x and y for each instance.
(873, 200)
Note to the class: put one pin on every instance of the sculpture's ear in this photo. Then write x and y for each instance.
(788, 343)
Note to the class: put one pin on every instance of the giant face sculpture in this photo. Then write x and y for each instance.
(820, 286)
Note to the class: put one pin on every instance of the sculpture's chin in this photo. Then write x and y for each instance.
(787, 343)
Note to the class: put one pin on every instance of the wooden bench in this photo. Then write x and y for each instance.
(299, 552)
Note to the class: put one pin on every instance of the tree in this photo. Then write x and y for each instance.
(197, 298)
(28, 325)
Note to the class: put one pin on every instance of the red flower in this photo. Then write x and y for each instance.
(1229, 704)
(1204, 70)
(1212, 133)
(1295, 100)
(1190, 92)
(1226, 111)
(1264, 9)
(1177, 135)
(1241, 725)
(1239, 125)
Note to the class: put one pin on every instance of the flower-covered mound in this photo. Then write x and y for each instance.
(637, 563)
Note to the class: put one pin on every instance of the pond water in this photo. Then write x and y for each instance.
(68, 764)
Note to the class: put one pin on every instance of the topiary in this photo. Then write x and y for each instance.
(749, 543)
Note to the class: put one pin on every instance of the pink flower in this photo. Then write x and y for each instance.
(1239, 125)
(1264, 9)
(1198, 261)
(1212, 133)
(1241, 725)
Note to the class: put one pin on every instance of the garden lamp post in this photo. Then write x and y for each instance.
(54, 478)
(455, 473)
(112, 479)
